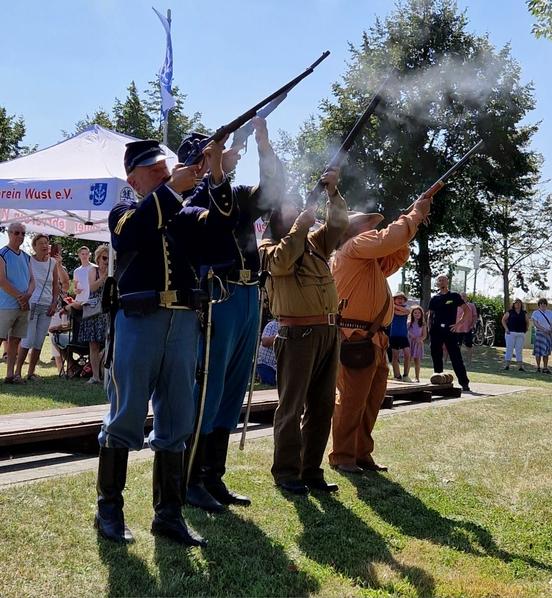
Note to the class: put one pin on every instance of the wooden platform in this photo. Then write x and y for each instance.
(76, 422)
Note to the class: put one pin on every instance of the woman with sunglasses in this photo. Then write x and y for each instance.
(93, 329)
(42, 304)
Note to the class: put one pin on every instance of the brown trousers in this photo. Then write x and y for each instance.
(306, 358)
(361, 393)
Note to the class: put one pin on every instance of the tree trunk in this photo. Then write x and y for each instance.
(506, 276)
(424, 266)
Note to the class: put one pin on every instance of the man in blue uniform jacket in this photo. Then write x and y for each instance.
(156, 331)
(235, 322)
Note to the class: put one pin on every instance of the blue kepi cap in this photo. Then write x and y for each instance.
(143, 153)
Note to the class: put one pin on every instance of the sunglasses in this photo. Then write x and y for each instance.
(17, 232)
(104, 258)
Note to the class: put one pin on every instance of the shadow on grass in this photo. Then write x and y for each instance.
(128, 575)
(239, 560)
(412, 517)
(333, 535)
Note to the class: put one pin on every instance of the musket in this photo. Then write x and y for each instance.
(240, 137)
(195, 156)
(341, 154)
(441, 181)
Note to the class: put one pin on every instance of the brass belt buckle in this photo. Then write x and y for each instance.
(245, 275)
(167, 298)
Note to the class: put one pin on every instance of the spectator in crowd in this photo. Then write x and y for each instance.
(43, 304)
(465, 326)
(516, 323)
(63, 287)
(266, 360)
(542, 321)
(417, 333)
(81, 276)
(16, 287)
(93, 329)
(443, 322)
(398, 337)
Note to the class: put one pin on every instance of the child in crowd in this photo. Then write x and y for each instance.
(417, 333)
(398, 337)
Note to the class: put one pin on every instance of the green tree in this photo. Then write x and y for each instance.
(517, 248)
(449, 89)
(179, 122)
(100, 117)
(131, 116)
(542, 11)
(12, 132)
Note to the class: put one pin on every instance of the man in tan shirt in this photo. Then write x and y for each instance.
(362, 263)
(303, 298)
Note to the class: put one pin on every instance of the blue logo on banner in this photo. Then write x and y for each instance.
(126, 194)
(98, 193)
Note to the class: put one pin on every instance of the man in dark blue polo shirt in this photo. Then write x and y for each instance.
(442, 313)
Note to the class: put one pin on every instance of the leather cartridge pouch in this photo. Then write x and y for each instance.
(357, 354)
(360, 353)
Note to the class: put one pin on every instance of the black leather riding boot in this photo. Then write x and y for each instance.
(109, 519)
(167, 500)
(216, 451)
(196, 493)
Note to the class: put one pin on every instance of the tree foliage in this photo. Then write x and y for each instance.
(12, 132)
(449, 89)
(139, 116)
(542, 11)
(518, 246)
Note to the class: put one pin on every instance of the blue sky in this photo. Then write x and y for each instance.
(62, 60)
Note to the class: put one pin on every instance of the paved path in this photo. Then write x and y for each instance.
(39, 467)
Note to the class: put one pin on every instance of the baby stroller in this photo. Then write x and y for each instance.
(75, 355)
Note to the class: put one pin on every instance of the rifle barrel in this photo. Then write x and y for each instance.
(241, 120)
(460, 162)
(347, 143)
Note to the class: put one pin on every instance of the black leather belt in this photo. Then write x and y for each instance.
(356, 324)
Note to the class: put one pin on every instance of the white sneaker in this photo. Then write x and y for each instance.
(406, 379)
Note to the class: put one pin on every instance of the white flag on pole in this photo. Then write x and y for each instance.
(166, 71)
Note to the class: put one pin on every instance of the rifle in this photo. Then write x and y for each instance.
(341, 154)
(193, 155)
(241, 135)
(441, 181)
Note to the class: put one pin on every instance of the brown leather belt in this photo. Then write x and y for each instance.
(327, 319)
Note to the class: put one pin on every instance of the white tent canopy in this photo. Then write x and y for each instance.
(68, 189)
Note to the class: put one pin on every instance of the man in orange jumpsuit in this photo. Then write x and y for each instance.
(362, 263)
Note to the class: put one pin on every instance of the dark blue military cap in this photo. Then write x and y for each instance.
(188, 144)
(143, 153)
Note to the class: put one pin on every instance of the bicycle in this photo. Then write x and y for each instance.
(485, 332)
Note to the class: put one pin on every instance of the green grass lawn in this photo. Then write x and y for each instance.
(465, 511)
(52, 392)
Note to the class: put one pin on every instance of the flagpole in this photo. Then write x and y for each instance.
(166, 121)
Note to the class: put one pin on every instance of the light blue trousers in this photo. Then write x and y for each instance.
(154, 357)
(235, 324)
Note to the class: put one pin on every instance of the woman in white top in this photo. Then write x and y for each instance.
(43, 303)
(542, 320)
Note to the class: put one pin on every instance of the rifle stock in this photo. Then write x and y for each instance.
(195, 156)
